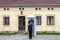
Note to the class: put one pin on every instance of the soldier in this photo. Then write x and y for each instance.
(30, 29)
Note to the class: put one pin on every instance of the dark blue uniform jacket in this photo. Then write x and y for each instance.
(30, 27)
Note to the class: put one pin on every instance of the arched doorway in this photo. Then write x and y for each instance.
(21, 23)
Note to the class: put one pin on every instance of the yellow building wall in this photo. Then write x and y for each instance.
(14, 13)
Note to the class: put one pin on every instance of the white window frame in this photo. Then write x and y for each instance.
(50, 20)
(39, 22)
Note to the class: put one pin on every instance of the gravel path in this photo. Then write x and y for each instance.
(25, 37)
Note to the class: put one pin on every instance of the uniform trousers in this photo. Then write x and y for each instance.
(30, 34)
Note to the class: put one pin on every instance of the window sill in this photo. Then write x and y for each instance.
(6, 25)
(38, 25)
(50, 25)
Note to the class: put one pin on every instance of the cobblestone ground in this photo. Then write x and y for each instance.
(25, 37)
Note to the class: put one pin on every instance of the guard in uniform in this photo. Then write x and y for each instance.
(30, 29)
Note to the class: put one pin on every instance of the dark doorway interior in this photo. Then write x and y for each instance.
(21, 23)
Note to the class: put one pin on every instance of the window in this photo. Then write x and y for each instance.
(48, 8)
(50, 20)
(22, 8)
(7, 8)
(52, 9)
(19, 8)
(39, 8)
(36, 8)
(38, 20)
(4, 8)
(6, 20)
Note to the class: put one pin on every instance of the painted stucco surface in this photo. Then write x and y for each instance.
(14, 13)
